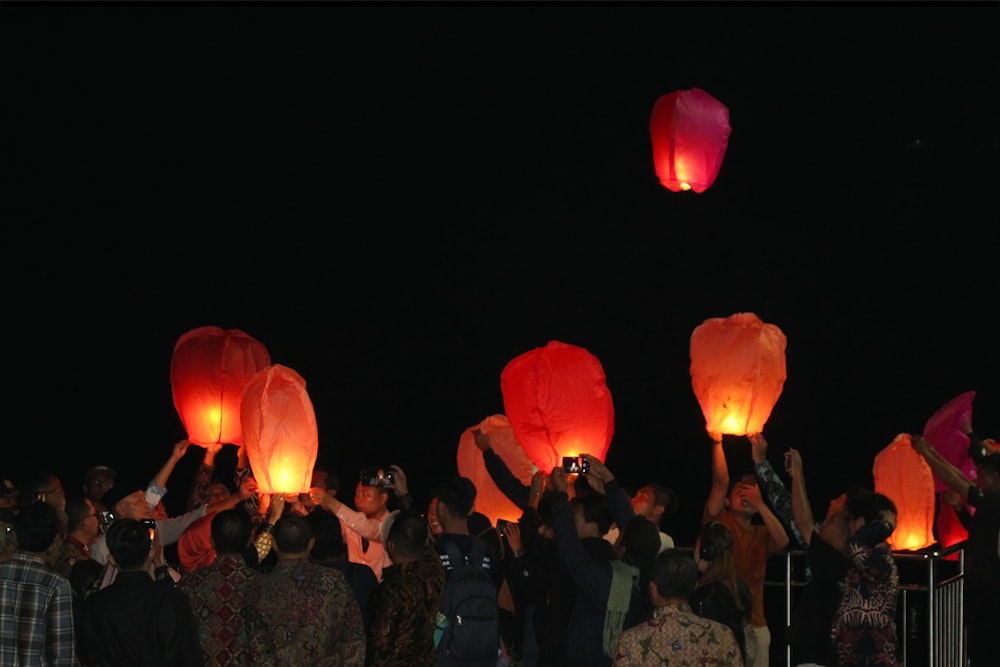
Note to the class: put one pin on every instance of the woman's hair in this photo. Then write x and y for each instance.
(716, 547)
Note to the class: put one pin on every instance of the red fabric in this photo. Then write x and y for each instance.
(558, 403)
(904, 476)
(194, 548)
(208, 371)
(943, 430)
(279, 430)
(737, 372)
(490, 500)
(690, 131)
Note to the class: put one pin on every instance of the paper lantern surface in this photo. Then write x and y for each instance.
(279, 431)
(558, 403)
(737, 372)
(208, 371)
(905, 477)
(690, 131)
(490, 500)
(950, 530)
(944, 431)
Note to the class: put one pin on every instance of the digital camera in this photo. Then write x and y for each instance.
(374, 476)
(577, 464)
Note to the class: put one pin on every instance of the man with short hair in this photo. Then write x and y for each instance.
(301, 613)
(36, 604)
(141, 618)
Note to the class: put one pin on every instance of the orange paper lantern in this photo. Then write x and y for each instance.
(690, 132)
(558, 403)
(737, 371)
(490, 500)
(905, 477)
(208, 370)
(279, 431)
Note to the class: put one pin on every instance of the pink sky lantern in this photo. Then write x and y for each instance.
(737, 372)
(558, 403)
(490, 500)
(944, 431)
(208, 371)
(905, 477)
(279, 431)
(690, 132)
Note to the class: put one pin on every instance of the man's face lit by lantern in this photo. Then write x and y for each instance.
(133, 506)
(742, 494)
(372, 501)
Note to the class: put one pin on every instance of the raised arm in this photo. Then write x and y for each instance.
(801, 511)
(777, 536)
(716, 502)
(945, 471)
(773, 489)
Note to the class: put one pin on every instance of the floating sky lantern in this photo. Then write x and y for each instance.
(690, 132)
(558, 403)
(208, 370)
(944, 431)
(904, 476)
(279, 431)
(490, 500)
(737, 371)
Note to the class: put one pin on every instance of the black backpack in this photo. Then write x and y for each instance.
(471, 631)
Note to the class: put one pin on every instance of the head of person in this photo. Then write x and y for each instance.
(407, 537)
(9, 494)
(231, 531)
(639, 542)
(127, 500)
(292, 537)
(835, 529)
(655, 502)
(592, 516)
(736, 496)
(433, 525)
(372, 501)
(866, 507)
(129, 544)
(988, 473)
(456, 501)
(97, 481)
(44, 485)
(82, 518)
(673, 577)
(328, 539)
(36, 527)
(713, 550)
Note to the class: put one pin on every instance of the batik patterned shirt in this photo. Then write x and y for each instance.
(303, 614)
(218, 594)
(678, 637)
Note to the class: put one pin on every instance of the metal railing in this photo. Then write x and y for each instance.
(930, 620)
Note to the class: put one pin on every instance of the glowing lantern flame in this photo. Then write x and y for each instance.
(490, 500)
(690, 132)
(208, 370)
(737, 372)
(904, 476)
(558, 403)
(279, 430)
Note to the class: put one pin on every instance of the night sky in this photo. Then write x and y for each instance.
(399, 199)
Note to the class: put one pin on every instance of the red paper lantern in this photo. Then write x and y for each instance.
(279, 431)
(904, 476)
(950, 530)
(690, 131)
(558, 403)
(737, 371)
(944, 431)
(490, 500)
(208, 371)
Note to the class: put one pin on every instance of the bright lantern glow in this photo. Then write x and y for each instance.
(279, 430)
(905, 477)
(737, 372)
(490, 500)
(208, 371)
(558, 403)
(690, 131)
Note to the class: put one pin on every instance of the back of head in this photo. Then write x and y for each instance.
(231, 531)
(128, 541)
(675, 574)
(328, 539)
(641, 540)
(595, 509)
(457, 495)
(36, 526)
(714, 541)
(408, 534)
(78, 508)
(666, 497)
(292, 534)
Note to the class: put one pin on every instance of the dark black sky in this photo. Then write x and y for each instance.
(399, 199)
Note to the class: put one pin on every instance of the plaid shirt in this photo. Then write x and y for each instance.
(36, 613)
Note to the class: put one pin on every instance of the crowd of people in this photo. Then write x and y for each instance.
(587, 577)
